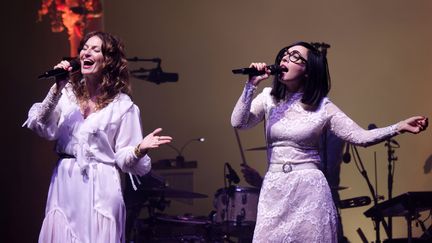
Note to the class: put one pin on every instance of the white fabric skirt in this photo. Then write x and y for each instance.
(296, 207)
(84, 208)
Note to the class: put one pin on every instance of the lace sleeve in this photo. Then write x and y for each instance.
(43, 117)
(248, 112)
(344, 127)
(48, 105)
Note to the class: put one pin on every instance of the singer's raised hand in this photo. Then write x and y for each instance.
(260, 66)
(153, 140)
(62, 79)
(414, 124)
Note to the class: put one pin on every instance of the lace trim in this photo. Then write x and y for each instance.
(48, 105)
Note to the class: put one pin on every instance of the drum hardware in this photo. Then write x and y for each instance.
(234, 217)
(152, 194)
(174, 229)
(407, 205)
(236, 209)
(387, 225)
(257, 148)
(179, 161)
(360, 166)
(354, 202)
(391, 144)
(168, 192)
(339, 188)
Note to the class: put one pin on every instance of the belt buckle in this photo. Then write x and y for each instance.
(287, 167)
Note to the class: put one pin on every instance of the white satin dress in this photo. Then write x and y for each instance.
(297, 206)
(85, 202)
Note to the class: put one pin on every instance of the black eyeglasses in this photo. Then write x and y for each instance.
(295, 57)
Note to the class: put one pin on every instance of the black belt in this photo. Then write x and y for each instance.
(66, 156)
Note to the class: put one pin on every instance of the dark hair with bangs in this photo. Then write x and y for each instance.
(317, 83)
(115, 73)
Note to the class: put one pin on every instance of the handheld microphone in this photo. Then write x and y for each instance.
(232, 175)
(274, 69)
(346, 157)
(75, 64)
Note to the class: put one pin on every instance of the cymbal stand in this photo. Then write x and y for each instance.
(360, 167)
(390, 158)
(240, 147)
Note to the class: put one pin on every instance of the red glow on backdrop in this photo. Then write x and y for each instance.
(76, 16)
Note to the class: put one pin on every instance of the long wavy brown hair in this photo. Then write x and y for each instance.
(115, 73)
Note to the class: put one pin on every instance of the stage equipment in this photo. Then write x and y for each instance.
(354, 202)
(257, 148)
(374, 194)
(391, 144)
(179, 161)
(407, 205)
(167, 192)
(153, 75)
(151, 193)
(236, 205)
(173, 229)
(236, 212)
(232, 175)
(339, 188)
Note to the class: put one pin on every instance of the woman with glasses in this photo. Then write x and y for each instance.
(295, 202)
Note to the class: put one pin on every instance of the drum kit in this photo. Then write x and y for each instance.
(233, 217)
(232, 220)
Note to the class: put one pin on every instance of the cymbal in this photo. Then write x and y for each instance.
(257, 148)
(171, 193)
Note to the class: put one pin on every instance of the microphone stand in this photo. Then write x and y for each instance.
(179, 161)
(363, 172)
(138, 59)
(154, 75)
(390, 158)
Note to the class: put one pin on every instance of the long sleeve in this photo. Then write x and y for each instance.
(344, 127)
(128, 137)
(43, 117)
(248, 111)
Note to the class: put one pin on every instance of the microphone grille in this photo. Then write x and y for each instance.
(276, 69)
(75, 64)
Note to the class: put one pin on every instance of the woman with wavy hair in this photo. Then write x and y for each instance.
(295, 202)
(98, 133)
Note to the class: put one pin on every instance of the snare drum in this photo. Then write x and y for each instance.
(236, 205)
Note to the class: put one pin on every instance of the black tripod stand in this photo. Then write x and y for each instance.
(391, 144)
(377, 219)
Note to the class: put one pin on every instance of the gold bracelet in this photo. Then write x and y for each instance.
(138, 152)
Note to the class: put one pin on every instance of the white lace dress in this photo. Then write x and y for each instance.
(85, 202)
(297, 206)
